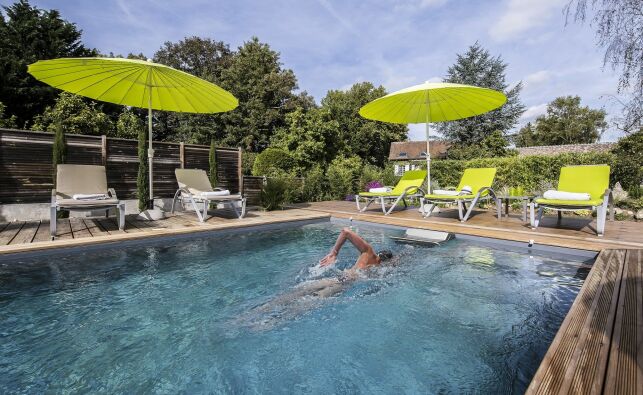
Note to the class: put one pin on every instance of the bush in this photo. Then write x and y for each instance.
(628, 168)
(273, 161)
(529, 172)
(273, 194)
(315, 187)
(344, 176)
(247, 162)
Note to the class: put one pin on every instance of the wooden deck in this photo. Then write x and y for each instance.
(22, 236)
(599, 346)
(570, 232)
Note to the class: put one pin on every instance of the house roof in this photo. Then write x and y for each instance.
(416, 150)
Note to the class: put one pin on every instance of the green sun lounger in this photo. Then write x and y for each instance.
(409, 186)
(480, 181)
(593, 180)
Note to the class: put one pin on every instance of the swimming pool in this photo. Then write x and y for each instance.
(199, 316)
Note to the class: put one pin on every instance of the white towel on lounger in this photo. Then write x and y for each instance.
(222, 192)
(90, 196)
(380, 190)
(464, 191)
(561, 195)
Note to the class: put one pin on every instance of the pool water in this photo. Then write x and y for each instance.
(214, 315)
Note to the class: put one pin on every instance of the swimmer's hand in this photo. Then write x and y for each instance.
(329, 259)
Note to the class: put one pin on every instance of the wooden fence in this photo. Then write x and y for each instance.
(26, 168)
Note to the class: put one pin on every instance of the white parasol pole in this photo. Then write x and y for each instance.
(428, 148)
(150, 150)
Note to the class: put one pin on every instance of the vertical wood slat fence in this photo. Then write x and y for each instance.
(26, 164)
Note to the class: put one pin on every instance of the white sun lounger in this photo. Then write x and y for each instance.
(195, 187)
(88, 184)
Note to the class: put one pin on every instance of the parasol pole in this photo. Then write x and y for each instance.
(150, 150)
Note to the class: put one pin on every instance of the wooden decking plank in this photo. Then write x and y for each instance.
(94, 227)
(10, 231)
(79, 228)
(43, 233)
(549, 376)
(625, 370)
(109, 225)
(590, 358)
(63, 229)
(27, 233)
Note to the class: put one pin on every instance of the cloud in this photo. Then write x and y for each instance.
(533, 112)
(537, 78)
(520, 16)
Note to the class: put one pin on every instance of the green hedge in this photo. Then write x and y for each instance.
(529, 172)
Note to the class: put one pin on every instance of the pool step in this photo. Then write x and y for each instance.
(429, 238)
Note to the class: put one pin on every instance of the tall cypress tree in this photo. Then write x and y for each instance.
(59, 149)
(213, 164)
(477, 67)
(142, 181)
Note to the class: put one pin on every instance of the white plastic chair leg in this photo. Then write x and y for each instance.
(52, 221)
(601, 216)
(121, 216)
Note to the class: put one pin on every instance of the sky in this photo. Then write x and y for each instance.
(334, 44)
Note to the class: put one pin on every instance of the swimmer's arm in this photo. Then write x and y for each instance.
(346, 234)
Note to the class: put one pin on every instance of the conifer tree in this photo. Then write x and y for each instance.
(213, 164)
(477, 67)
(142, 180)
(59, 149)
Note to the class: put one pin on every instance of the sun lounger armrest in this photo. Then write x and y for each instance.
(412, 187)
(608, 202)
(53, 197)
(112, 193)
(485, 189)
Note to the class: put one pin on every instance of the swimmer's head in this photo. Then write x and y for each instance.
(384, 255)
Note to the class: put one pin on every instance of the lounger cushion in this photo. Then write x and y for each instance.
(578, 203)
(88, 203)
(218, 198)
(379, 194)
(449, 197)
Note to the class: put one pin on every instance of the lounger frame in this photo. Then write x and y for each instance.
(183, 194)
(463, 212)
(55, 207)
(384, 199)
(601, 211)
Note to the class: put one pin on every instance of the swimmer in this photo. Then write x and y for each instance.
(368, 256)
(309, 294)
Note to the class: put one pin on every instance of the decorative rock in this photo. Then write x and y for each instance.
(618, 193)
(639, 214)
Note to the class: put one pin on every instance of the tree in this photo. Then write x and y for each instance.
(128, 125)
(59, 149)
(357, 136)
(142, 179)
(265, 92)
(311, 136)
(5, 122)
(619, 27)
(565, 122)
(629, 162)
(206, 59)
(273, 162)
(212, 161)
(28, 34)
(76, 115)
(525, 136)
(477, 67)
(492, 146)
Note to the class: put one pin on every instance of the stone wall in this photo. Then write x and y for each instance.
(561, 149)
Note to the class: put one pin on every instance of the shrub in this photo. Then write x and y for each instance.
(344, 176)
(628, 168)
(212, 160)
(315, 187)
(59, 149)
(529, 172)
(273, 194)
(142, 186)
(247, 161)
(273, 161)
